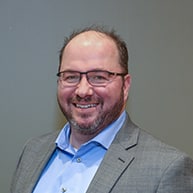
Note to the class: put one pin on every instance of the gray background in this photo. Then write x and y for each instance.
(159, 34)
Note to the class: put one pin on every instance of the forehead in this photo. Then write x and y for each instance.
(91, 38)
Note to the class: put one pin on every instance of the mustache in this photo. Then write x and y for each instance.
(90, 99)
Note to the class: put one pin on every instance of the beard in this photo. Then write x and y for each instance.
(103, 119)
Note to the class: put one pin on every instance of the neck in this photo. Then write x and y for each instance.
(77, 138)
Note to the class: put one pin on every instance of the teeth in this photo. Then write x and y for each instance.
(85, 106)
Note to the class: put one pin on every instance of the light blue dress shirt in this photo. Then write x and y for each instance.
(70, 170)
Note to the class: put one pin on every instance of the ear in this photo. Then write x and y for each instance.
(126, 86)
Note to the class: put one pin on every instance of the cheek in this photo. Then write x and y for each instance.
(109, 95)
(64, 95)
(60, 95)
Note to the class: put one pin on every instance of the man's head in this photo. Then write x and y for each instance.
(93, 79)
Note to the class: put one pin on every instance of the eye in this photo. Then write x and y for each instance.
(98, 77)
(71, 77)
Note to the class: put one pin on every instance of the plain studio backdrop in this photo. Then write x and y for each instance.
(159, 35)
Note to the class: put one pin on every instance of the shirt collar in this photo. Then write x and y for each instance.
(104, 138)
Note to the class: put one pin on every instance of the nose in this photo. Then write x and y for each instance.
(84, 88)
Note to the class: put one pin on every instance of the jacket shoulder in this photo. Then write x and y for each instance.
(32, 160)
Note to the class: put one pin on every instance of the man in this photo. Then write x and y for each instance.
(99, 149)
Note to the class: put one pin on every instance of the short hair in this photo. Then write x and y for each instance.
(120, 44)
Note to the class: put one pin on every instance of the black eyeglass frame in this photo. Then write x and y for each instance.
(115, 74)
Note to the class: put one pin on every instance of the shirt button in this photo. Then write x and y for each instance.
(63, 190)
(78, 160)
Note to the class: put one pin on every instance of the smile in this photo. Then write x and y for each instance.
(85, 106)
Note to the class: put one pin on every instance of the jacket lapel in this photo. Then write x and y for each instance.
(39, 163)
(118, 158)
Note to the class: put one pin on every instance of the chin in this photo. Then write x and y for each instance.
(86, 127)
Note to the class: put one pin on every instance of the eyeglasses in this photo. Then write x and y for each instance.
(94, 77)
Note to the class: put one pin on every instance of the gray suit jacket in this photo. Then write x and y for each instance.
(136, 162)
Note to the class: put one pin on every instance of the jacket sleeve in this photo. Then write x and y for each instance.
(178, 176)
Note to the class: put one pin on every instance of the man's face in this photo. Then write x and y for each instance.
(89, 109)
